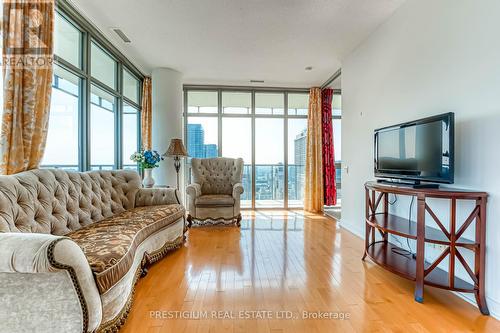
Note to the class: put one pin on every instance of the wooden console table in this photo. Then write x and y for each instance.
(418, 269)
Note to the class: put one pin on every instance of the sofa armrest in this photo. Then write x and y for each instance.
(47, 256)
(238, 190)
(156, 196)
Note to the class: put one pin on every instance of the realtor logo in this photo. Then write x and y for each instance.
(27, 30)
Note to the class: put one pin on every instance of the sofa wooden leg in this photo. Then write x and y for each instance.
(144, 272)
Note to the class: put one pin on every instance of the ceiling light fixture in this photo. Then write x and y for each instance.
(256, 81)
(308, 68)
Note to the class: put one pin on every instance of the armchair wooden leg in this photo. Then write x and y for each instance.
(190, 220)
(238, 220)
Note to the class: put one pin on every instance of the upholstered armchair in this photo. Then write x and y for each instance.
(214, 195)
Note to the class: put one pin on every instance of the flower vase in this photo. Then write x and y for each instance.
(148, 181)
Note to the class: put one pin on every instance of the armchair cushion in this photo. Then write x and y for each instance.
(110, 245)
(215, 200)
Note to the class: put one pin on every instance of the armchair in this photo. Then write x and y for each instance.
(215, 192)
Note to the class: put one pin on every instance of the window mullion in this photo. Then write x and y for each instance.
(219, 120)
(85, 113)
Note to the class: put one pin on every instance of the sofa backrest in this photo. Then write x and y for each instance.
(58, 202)
(217, 175)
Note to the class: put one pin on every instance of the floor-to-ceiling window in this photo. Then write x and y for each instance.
(236, 135)
(62, 139)
(265, 127)
(94, 120)
(62, 148)
(298, 105)
(297, 132)
(102, 129)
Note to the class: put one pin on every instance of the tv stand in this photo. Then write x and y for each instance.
(417, 268)
(413, 184)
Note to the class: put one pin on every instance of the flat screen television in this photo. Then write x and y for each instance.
(420, 150)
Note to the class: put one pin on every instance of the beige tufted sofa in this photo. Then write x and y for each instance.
(214, 195)
(73, 245)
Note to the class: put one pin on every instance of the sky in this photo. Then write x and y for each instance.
(269, 143)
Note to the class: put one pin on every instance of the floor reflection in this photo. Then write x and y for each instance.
(269, 251)
(287, 261)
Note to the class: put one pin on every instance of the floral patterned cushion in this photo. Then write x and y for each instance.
(110, 245)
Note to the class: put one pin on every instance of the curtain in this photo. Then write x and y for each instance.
(313, 196)
(28, 29)
(330, 188)
(146, 115)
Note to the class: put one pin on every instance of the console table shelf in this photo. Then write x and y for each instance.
(397, 225)
(415, 267)
(405, 266)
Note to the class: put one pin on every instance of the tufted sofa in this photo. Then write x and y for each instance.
(73, 245)
(214, 195)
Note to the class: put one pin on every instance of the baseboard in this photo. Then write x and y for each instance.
(493, 305)
(354, 231)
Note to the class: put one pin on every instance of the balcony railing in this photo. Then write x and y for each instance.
(92, 167)
(270, 185)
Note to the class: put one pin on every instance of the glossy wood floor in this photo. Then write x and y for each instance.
(282, 261)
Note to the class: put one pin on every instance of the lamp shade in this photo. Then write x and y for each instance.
(176, 149)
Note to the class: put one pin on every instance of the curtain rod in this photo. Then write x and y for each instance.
(332, 78)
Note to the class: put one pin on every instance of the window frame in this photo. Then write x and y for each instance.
(338, 163)
(253, 116)
(91, 35)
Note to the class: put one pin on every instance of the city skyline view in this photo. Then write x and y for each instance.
(236, 142)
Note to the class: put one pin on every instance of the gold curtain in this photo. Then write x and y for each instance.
(27, 73)
(146, 115)
(313, 196)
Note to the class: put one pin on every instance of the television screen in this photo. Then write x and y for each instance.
(417, 150)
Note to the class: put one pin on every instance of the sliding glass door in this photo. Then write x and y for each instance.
(237, 143)
(269, 163)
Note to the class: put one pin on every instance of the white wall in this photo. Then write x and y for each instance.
(430, 57)
(167, 120)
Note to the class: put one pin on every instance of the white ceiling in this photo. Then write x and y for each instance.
(235, 41)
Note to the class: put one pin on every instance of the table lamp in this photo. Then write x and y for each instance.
(177, 151)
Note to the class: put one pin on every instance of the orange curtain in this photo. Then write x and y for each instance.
(27, 75)
(146, 115)
(313, 196)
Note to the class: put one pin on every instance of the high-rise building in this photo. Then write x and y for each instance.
(196, 140)
(296, 189)
(196, 143)
(278, 185)
(300, 148)
(211, 151)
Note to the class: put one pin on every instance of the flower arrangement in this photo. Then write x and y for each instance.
(147, 159)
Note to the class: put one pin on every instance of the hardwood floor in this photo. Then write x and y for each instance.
(286, 261)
